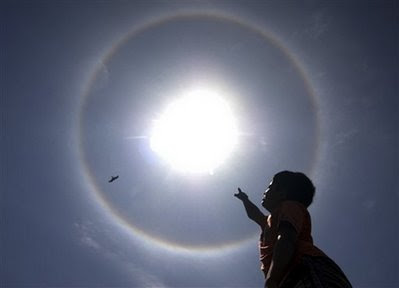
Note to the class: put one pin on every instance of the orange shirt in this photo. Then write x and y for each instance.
(299, 217)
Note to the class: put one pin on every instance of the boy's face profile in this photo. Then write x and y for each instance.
(272, 197)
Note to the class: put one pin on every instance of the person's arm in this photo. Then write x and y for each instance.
(252, 210)
(283, 254)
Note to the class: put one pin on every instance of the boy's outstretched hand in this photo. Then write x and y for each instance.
(241, 195)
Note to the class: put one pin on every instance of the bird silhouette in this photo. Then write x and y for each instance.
(113, 178)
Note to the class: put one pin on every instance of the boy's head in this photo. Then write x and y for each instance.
(287, 185)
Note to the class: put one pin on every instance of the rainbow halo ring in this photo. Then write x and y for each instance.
(160, 144)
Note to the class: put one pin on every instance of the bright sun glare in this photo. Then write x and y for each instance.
(196, 133)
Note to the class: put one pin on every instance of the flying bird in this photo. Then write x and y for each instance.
(113, 178)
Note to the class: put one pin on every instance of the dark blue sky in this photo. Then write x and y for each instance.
(313, 85)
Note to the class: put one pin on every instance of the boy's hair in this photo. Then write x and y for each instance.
(297, 186)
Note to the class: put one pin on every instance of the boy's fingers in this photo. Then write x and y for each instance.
(239, 190)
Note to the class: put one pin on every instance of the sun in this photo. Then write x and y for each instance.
(195, 133)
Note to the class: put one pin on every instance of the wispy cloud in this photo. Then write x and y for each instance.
(343, 137)
(143, 278)
(102, 76)
(90, 242)
(85, 232)
(319, 24)
(90, 235)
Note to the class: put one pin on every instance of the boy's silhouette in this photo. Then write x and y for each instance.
(287, 254)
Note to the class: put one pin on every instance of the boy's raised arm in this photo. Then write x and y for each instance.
(252, 210)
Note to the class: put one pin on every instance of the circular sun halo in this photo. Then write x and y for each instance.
(196, 133)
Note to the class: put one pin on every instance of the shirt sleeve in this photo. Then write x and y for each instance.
(293, 213)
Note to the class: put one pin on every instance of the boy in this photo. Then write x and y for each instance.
(287, 254)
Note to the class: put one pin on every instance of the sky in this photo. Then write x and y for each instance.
(312, 85)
